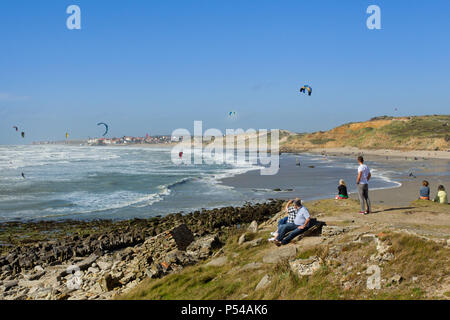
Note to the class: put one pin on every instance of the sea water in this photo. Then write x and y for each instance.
(82, 182)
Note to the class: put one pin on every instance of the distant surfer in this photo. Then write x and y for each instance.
(23, 175)
(180, 154)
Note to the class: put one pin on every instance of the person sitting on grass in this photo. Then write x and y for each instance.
(342, 189)
(291, 211)
(424, 191)
(300, 225)
(441, 196)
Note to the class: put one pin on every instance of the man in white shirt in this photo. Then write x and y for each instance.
(362, 181)
(300, 225)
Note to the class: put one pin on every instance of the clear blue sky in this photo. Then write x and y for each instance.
(154, 66)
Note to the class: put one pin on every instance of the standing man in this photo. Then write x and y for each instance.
(363, 185)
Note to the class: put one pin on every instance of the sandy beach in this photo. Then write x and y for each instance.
(406, 193)
(435, 169)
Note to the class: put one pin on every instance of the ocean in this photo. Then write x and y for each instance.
(81, 182)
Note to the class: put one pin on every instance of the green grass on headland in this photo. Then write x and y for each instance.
(414, 258)
(402, 133)
(422, 264)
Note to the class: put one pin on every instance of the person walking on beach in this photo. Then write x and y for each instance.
(362, 181)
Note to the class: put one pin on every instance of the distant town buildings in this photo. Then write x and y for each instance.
(126, 140)
(133, 140)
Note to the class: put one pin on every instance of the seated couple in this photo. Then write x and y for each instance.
(297, 222)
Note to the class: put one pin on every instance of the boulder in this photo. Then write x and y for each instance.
(382, 247)
(265, 281)
(93, 270)
(287, 252)
(155, 271)
(127, 278)
(203, 247)
(253, 243)
(329, 231)
(34, 276)
(182, 236)
(218, 262)
(104, 265)
(252, 266)
(86, 263)
(10, 284)
(108, 282)
(366, 238)
(253, 227)
(242, 239)
(305, 267)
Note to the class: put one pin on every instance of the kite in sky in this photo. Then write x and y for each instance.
(306, 88)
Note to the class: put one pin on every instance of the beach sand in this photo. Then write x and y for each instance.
(437, 172)
(394, 154)
(406, 193)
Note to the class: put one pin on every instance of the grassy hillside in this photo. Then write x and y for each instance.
(405, 133)
(415, 268)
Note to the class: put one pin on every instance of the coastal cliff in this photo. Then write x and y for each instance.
(395, 133)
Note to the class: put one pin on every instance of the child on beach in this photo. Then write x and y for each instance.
(424, 191)
(441, 196)
(342, 190)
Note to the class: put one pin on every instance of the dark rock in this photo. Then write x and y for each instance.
(182, 236)
(10, 284)
(86, 263)
(108, 282)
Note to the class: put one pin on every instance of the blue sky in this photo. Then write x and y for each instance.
(154, 66)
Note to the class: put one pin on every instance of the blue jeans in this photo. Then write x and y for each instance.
(295, 231)
(285, 228)
(282, 221)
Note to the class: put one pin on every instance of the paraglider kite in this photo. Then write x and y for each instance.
(306, 88)
(106, 127)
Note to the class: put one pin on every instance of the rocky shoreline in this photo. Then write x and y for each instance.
(101, 259)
